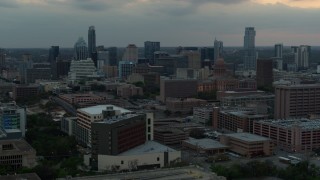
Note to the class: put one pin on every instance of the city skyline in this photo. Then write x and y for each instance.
(42, 23)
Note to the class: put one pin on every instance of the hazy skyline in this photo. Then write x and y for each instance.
(42, 23)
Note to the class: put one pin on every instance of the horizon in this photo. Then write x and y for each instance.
(41, 23)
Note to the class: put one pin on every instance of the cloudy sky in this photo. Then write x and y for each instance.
(42, 23)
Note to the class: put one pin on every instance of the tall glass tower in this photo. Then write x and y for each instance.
(91, 40)
(80, 49)
(250, 54)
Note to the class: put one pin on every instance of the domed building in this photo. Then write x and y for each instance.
(219, 68)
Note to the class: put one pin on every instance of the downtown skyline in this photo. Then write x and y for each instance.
(42, 23)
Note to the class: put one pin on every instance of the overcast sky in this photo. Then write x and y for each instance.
(42, 23)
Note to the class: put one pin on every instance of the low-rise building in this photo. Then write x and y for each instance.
(248, 145)
(184, 104)
(146, 156)
(293, 135)
(17, 154)
(22, 92)
(235, 120)
(169, 136)
(82, 100)
(12, 121)
(128, 90)
(203, 114)
(205, 146)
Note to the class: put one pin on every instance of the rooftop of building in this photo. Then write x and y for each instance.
(8, 106)
(243, 113)
(147, 148)
(250, 96)
(240, 92)
(170, 99)
(293, 86)
(206, 143)
(118, 118)
(19, 146)
(79, 95)
(247, 137)
(168, 130)
(99, 108)
(303, 123)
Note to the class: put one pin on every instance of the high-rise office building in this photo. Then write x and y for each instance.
(113, 55)
(125, 68)
(264, 72)
(53, 57)
(250, 55)
(149, 49)
(53, 53)
(218, 49)
(80, 49)
(304, 56)
(131, 53)
(2, 58)
(278, 49)
(91, 41)
(194, 59)
(207, 53)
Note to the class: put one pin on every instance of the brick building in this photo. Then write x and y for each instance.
(297, 100)
(294, 135)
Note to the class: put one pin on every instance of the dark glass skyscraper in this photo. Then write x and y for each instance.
(250, 54)
(53, 57)
(149, 49)
(113, 56)
(91, 41)
(53, 53)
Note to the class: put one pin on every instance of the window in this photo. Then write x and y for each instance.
(149, 121)
(121, 162)
(158, 159)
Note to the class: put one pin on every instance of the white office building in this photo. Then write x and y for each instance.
(80, 70)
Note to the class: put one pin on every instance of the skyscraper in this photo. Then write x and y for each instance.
(278, 48)
(2, 58)
(149, 49)
(113, 56)
(304, 56)
(218, 49)
(80, 49)
(131, 53)
(250, 56)
(91, 41)
(53, 55)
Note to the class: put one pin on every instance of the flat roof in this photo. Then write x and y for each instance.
(99, 108)
(79, 95)
(147, 148)
(19, 145)
(303, 123)
(243, 113)
(117, 118)
(247, 137)
(205, 143)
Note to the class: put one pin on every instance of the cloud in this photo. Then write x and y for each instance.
(8, 4)
(312, 4)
